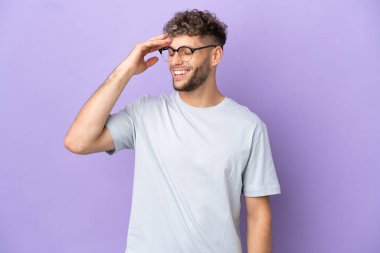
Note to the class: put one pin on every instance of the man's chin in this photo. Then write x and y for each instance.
(180, 85)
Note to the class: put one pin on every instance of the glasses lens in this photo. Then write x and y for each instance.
(184, 52)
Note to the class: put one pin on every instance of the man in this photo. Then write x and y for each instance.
(196, 150)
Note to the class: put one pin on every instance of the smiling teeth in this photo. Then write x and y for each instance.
(180, 72)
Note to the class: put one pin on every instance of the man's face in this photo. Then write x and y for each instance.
(188, 76)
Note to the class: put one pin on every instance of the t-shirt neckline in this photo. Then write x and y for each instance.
(187, 106)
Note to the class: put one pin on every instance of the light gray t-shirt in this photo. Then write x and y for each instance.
(191, 166)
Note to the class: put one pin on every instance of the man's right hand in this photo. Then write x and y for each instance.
(88, 133)
(135, 60)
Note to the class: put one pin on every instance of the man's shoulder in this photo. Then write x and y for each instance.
(244, 114)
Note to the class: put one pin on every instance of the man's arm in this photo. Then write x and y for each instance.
(259, 225)
(88, 133)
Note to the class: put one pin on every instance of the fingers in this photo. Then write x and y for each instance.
(152, 49)
(149, 46)
(155, 43)
(160, 37)
(151, 61)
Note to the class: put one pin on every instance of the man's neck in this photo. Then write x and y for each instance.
(203, 96)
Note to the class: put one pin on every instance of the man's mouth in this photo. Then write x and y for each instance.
(180, 73)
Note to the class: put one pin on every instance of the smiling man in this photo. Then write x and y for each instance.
(196, 150)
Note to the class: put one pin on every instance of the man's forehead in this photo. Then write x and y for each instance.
(186, 40)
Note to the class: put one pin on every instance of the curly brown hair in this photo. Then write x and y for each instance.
(195, 22)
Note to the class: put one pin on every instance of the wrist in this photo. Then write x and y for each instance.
(125, 69)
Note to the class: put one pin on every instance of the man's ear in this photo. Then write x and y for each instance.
(216, 55)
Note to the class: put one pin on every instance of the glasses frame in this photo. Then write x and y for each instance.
(177, 50)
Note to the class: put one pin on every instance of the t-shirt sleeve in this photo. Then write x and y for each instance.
(259, 175)
(123, 125)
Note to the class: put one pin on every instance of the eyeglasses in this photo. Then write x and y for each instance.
(184, 52)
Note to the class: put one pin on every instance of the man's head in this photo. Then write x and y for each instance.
(194, 29)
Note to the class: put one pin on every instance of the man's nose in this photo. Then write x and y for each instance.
(177, 59)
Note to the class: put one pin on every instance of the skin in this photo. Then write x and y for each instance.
(259, 225)
(88, 133)
(196, 78)
(205, 93)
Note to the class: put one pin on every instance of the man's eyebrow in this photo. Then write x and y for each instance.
(181, 46)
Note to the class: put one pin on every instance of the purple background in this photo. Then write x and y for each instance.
(309, 69)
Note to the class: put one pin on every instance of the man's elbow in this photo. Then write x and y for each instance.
(73, 146)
